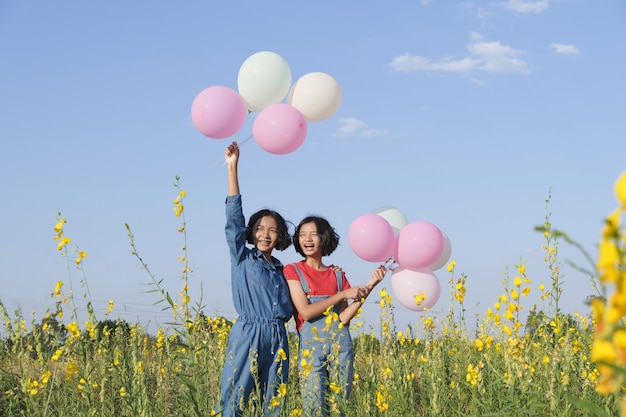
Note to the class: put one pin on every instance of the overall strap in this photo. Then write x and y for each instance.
(305, 285)
(339, 280)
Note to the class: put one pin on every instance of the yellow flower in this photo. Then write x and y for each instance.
(178, 210)
(45, 377)
(57, 354)
(64, 241)
(70, 371)
(419, 298)
(479, 345)
(282, 390)
(620, 189)
(280, 355)
(472, 375)
(73, 329)
(273, 403)
(619, 338)
(59, 226)
(81, 255)
(334, 387)
(603, 351)
(33, 386)
(306, 367)
(57, 289)
(380, 402)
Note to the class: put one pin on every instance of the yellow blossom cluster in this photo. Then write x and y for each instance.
(608, 350)
(178, 203)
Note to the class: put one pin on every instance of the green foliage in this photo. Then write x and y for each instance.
(111, 368)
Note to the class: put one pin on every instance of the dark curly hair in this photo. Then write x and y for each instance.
(283, 241)
(329, 239)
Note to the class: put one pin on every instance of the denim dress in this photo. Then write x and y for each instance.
(261, 299)
(331, 356)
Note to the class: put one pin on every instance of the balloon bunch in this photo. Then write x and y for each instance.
(263, 82)
(414, 250)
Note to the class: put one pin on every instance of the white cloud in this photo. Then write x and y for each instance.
(567, 49)
(350, 125)
(372, 133)
(353, 126)
(527, 6)
(484, 56)
(407, 63)
(495, 57)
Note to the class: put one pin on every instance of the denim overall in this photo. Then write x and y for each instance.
(325, 347)
(257, 356)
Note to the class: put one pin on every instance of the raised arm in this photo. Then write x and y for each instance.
(232, 160)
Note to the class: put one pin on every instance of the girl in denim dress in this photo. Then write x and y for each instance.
(325, 303)
(258, 350)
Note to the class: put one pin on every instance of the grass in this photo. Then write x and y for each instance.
(506, 366)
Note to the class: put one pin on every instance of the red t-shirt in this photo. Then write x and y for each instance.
(320, 282)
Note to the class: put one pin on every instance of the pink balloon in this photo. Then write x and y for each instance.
(371, 238)
(218, 112)
(415, 289)
(279, 129)
(418, 245)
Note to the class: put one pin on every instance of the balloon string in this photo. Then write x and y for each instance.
(390, 264)
(240, 144)
(244, 141)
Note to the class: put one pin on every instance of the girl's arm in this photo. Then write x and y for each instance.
(348, 312)
(232, 159)
(309, 311)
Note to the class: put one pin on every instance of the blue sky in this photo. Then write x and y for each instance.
(463, 114)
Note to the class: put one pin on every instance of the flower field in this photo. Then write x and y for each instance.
(517, 361)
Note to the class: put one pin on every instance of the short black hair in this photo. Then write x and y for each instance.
(283, 241)
(329, 239)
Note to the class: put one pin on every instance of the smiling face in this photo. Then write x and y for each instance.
(310, 241)
(266, 234)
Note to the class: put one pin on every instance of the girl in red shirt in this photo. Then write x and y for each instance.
(325, 303)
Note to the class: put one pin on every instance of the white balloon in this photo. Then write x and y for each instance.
(445, 255)
(394, 217)
(264, 78)
(317, 95)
